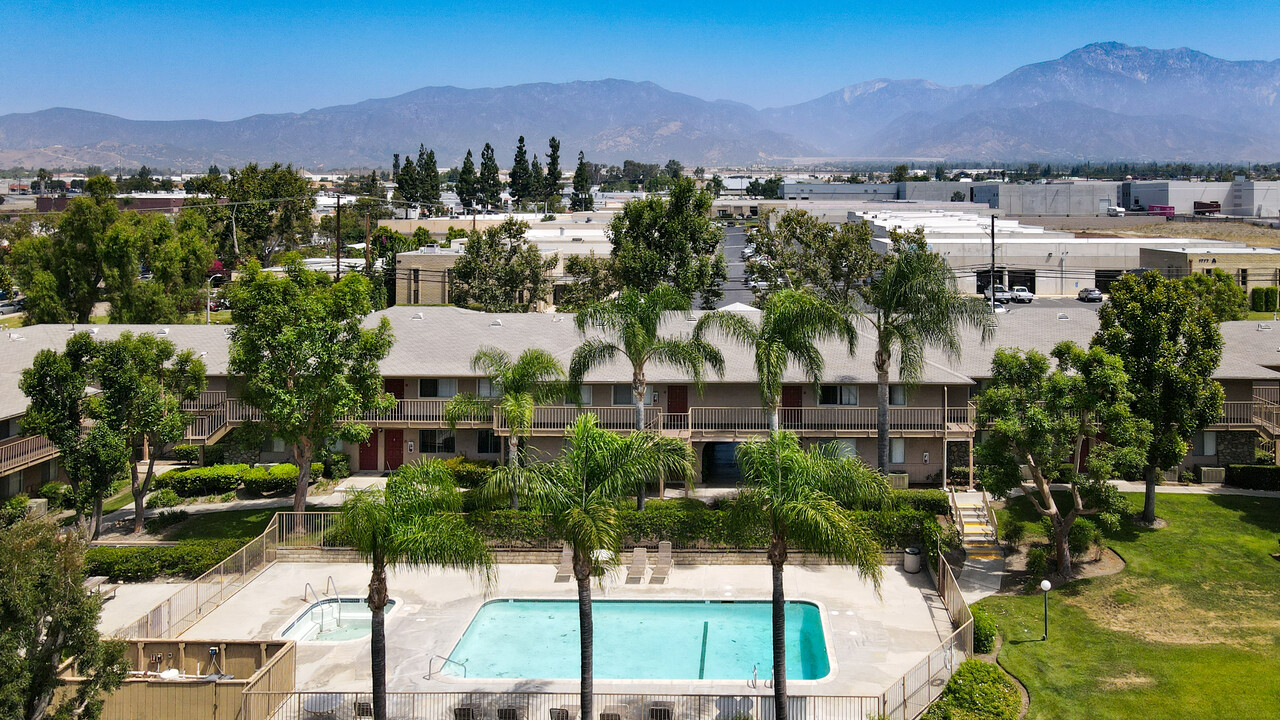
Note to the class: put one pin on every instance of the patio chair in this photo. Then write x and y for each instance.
(560, 714)
(639, 564)
(663, 568)
(662, 710)
(508, 713)
(464, 712)
(564, 572)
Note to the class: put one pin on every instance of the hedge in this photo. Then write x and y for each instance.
(189, 558)
(282, 478)
(934, 502)
(984, 630)
(199, 481)
(976, 691)
(1263, 299)
(469, 473)
(189, 454)
(1253, 477)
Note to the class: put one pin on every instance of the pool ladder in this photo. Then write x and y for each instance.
(329, 583)
(431, 665)
(755, 679)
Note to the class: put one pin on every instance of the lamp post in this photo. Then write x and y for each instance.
(1046, 586)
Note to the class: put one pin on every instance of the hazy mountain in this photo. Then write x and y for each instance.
(1103, 101)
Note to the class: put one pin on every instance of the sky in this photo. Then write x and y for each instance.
(228, 59)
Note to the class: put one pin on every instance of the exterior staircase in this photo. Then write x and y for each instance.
(977, 531)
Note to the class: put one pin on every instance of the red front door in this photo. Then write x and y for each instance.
(395, 386)
(369, 452)
(792, 397)
(393, 448)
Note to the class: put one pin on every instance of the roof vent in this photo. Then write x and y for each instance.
(162, 332)
(496, 323)
(15, 336)
(1062, 316)
(93, 331)
(1263, 327)
(416, 316)
(556, 318)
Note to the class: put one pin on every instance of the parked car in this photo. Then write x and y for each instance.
(1089, 295)
(1001, 294)
(1115, 211)
(998, 308)
(9, 308)
(1020, 294)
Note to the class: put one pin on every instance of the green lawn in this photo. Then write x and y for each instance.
(218, 525)
(122, 499)
(1190, 628)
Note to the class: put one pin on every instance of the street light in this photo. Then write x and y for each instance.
(1046, 586)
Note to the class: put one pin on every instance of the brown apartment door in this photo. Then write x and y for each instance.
(677, 404)
(792, 397)
(393, 448)
(395, 386)
(369, 452)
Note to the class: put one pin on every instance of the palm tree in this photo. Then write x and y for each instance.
(535, 378)
(630, 323)
(416, 522)
(912, 304)
(791, 322)
(795, 496)
(579, 492)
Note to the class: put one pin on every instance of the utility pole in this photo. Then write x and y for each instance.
(991, 281)
(208, 298)
(337, 239)
(368, 266)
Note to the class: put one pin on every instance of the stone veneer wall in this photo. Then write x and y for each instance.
(1236, 447)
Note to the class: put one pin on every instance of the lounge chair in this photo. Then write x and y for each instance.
(663, 568)
(560, 714)
(661, 710)
(508, 713)
(564, 572)
(612, 712)
(465, 712)
(639, 564)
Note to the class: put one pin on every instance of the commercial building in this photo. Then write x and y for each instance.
(1251, 266)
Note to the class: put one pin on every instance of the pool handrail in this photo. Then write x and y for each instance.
(432, 661)
(336, 596)
(314, 594)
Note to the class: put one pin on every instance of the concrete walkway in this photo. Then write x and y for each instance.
(1137, 487)
(984, 567)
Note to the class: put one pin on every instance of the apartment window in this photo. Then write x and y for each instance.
(838, 395)
(1244, 277)
(417, 287)
(897, 395)
(435, 441)
(897, 450)
(584, 395)
(277, 445)
(485, 389)
(437, 388)
(622, 395)
(8, 428)
(487, 443)
(1204, 444)
(848, 446)
(11, 484)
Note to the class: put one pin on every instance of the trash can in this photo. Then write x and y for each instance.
(911, 560)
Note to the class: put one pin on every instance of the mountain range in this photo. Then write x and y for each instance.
(1105, 101)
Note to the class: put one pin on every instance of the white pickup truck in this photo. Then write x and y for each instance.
(1001, 295)
(1020, 294)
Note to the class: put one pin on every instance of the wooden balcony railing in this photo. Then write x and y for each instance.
(209, 401)
(833, 418)
(20, 452)
(421, 411)
(555, 418)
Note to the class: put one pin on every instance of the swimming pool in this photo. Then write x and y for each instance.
(640, 639)
(333, 620)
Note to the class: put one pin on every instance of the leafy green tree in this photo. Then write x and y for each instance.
(630, 325)
(407, 181)
(794, 496)
(578, 493)
(1070, 424)
(500, 271)
(364, 212)
(800, 250)
(1219, 293)
(99, 462)
(912, 304)
(46, 617)
(517, 386)
(489, 184)
(178, 255)
(416, 523)
(582, 201)
(672, 241)
(523, 186)
(551, 182)
(143, 381)
(674, 169)
(791, 322)
(901, 173)
(770, 188)
(255, 212)
(593, 282)
(467, 183)
(308, 364)
(1170, 345)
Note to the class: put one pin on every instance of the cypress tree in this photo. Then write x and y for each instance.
(522, 184)
(582, 199)
(489, 185)
(407, 181)
(551, 184)
(467, 181)
(429, 179)
(536, 180)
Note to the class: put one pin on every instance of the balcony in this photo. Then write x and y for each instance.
(553, 419)
(420, 412)
(829, 421)
(20, 452)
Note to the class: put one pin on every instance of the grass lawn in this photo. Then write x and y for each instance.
(122, 499)
(1190, 628)
(218, 525)
(8, 322)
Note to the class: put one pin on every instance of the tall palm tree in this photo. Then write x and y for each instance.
(416, 522)
(630, 324)
(913, 304)
(795, 496)
(791, 323)
(535, 378)
(579, 492)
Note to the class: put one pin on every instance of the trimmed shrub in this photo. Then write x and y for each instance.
(188, 558)
(1253, 477)
(58, 494)
(976, 691)
(189, 454)
(165, 519)
(984, 630)
(1037, 565)
(282, 478)
(199, 481)
(1083, 537)
(13, 510)
(337, 465)
(214, 455)
(934, 502)
(162, 499)
(1013, 532)
(469, 473)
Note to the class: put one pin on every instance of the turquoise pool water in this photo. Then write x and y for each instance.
(640, 640)
(330, 621)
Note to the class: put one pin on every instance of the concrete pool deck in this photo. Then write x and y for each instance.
(871, 641)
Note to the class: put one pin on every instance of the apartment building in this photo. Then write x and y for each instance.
(932, 427)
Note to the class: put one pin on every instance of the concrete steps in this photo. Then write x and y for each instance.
(976, 533)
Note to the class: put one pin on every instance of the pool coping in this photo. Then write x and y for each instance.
(833, 665)
(393, 603)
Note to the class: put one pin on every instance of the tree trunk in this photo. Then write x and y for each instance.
(779, 644)
(97, 517)
(513, 461)
(586, 633)
(882, 411)
(140, 488)
(377, 602)
(302, 452)
(1149, 475)
(773, 418)
(638, 390)
(1061, 548)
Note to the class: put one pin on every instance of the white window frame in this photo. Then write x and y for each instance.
(584, 393)
(485, 389)
(845, 395)
(445, 387)
(897, 451)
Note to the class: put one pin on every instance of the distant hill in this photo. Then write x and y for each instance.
(1102, 102)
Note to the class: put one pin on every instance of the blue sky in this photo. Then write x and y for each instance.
(222, 60)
